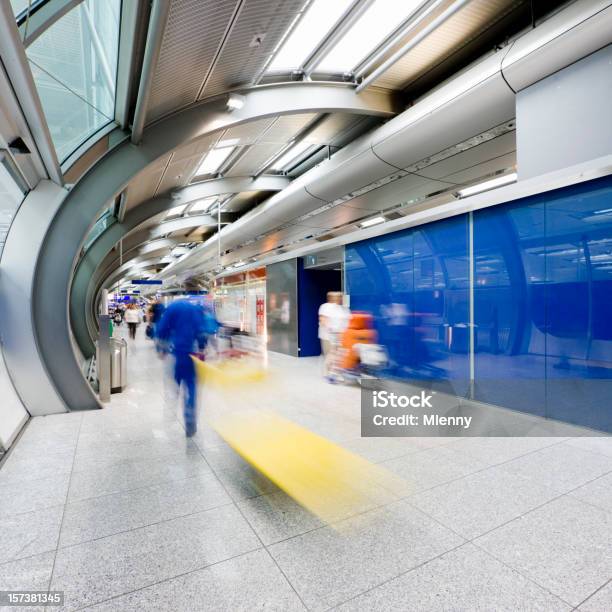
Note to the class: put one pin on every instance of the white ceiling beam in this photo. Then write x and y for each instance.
(155, 35)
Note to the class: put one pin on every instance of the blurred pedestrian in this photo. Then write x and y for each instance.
(333, 319)
(156, 311)
(132, 318)
(183, 329)
(117, 317)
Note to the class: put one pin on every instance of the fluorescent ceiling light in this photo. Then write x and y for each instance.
(292, 153)
(239, 264)
(228, 142)
(203, 205)
(486, 185)
(235, 102)
(372, 221)
(176, 211)
(213, 160)
(311, 29)
(371, 29)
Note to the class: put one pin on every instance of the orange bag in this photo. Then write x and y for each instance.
(359, 331)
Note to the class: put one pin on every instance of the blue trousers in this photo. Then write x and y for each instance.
(184, 374)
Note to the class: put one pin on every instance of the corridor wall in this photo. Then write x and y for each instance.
(282, 308)
(509, 305)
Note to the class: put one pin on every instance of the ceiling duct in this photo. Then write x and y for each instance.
(480, 97)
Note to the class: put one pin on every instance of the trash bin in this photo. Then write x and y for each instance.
(118, 355)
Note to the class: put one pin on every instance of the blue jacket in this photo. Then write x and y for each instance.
(185, 325)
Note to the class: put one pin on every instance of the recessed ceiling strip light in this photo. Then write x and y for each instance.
(372, 221)
(176, 211)
(202, 205)
(213, 160)
(498, 181)
(291, 154)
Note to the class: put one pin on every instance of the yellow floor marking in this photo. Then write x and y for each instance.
(325, 478)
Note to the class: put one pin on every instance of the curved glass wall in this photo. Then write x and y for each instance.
(20, 6)
(11, 196)
(100, 226)
(74, 64)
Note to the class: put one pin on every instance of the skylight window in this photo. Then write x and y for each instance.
(203, 205)
(214, 160)
(376, 23)
(177, 211)
(318, 20)
(291, 155)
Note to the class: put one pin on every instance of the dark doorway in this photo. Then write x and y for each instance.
(313, 285)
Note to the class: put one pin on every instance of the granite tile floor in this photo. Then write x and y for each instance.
(121, 512)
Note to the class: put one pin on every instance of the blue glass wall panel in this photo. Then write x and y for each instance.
(541, 301)
(509, 307)
(579, 280)
(416, 284)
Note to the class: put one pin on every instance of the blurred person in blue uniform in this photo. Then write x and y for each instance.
(155, 314)
(183, 329)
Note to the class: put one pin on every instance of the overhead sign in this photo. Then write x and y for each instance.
(145, 281)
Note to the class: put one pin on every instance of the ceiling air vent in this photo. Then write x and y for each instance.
(393, 215)
(324, 237)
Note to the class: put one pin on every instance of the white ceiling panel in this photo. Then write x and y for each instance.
(199, 147)
(152, 221)
(199, 231)
(243, 200)
(143, 186)
(331, 127)
(482, 170)
(257, 30)
(248, 133)
(502, 145)
(335, 217)
(192, 36)
(244, 253)
(253, 159)
(403, 190)
(285, 128)
(178, 174)
(458, 30)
